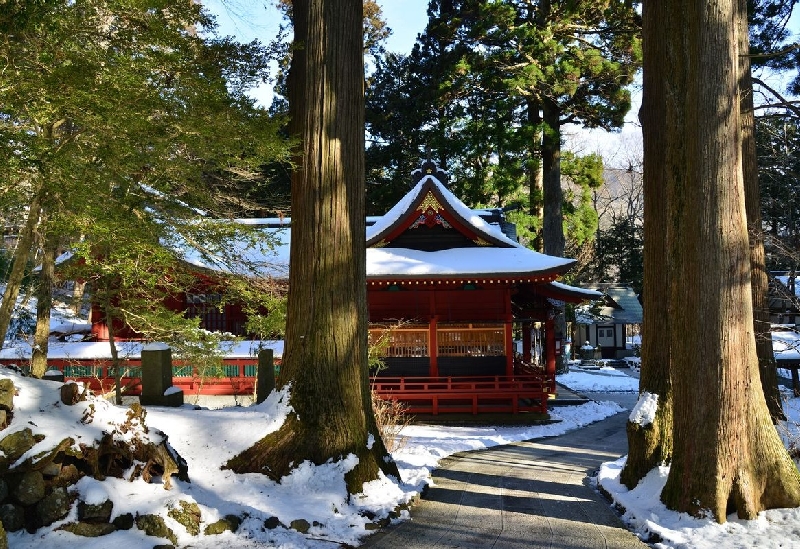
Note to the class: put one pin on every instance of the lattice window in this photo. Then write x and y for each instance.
(471, 340)
(402, 342)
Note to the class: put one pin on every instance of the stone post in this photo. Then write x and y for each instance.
(265, 379)
(157, 389)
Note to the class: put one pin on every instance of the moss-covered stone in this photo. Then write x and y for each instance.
(187, 514)
(123, 522)
(229, 523)
(300, 525)
(154, 525)
(88, 512)
(53, 507)
(12, 517)
(14, 445)
(7, 391)
(89, 529)
(29, 488)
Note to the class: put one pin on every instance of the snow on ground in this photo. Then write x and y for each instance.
(664, 529)
(602, 380)
(206, 438)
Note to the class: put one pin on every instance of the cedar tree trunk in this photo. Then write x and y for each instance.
(536, 175)
(760, 283)
(553, 225)
(651, 445)
(727, 455)
(325, 358)
(21, 255)
(44, 304)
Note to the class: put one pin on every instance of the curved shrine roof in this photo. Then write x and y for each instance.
(428, 234)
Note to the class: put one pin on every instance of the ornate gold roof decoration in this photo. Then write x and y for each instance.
(429, 203)
(381, 244)
(481, 242)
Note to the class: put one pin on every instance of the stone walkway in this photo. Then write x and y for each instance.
(525, 495)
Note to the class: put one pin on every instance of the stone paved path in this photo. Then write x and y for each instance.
(524, 495)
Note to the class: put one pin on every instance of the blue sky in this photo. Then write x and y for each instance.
(249, 19)
(259, 19)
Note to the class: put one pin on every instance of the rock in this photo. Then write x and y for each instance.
(16, 444)
(71, 394)
(12, 516)
(30, 488)
(67, 476)
(3, 537)
(3, 490)
(88, 512)
(4, 419)
(188, 515)
(229, 523)
(53, 507)
(51, 470)
(300, 525)
(153, 525)
(123, 522)
(89, 529)
(7, 392)
(273, 522)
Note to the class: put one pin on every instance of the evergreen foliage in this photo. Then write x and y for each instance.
(127, 123)
(478, 85)
(777, 141)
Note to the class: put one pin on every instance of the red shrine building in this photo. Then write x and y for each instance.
(461, 287)
(467, 310)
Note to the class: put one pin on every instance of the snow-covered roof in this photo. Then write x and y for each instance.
(497, 254)
(396, 262)
(584, 293)
(785, 343)
(403, 262)
(620, 306)
(471, 217)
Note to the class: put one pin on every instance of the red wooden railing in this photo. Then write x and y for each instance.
(422, 395)
(236, 376)
(472, 395)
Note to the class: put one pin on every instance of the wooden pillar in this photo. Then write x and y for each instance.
(526, 341)
(550, 349)
(433, 347)
(433, 339)
(509, 329)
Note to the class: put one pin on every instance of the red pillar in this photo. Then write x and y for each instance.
(509, 329)
(550, 350)
(433, 347)
(433, 339)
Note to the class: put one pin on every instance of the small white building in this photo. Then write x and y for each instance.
(609, 323)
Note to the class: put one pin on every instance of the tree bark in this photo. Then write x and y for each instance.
(553, 225)
(759, 280)
(727, 454)
(536, 175)
(21, 255)
(44, 304)
(325, 357)
(650, 446)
